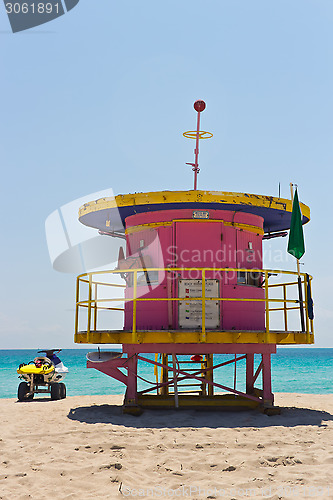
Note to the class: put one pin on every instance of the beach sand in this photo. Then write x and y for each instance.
(83, 447)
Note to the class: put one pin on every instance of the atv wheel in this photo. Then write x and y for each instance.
(55, 391)
(62, 390)
(22, 392)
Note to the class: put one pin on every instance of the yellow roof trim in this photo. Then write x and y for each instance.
(245, 227)
(160, 197)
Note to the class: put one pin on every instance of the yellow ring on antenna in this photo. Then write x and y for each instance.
(192, 134)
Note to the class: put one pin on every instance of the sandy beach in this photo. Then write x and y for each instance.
(83, 447)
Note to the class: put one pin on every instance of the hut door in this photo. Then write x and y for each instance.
(197, 244)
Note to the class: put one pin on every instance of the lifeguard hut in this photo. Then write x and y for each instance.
(192, 286)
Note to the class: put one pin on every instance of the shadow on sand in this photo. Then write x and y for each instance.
(35, 400)
(112, 414)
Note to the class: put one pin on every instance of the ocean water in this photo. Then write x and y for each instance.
(302, 370)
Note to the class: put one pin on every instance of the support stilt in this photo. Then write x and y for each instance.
(268, 397)
(131, 396)
(249, 373)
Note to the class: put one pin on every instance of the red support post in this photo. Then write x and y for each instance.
(268, 396)
(249, 373)
(131, 396)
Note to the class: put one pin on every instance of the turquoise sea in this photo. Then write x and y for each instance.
(303, 370)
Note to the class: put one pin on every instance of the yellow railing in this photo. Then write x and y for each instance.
(94, 303)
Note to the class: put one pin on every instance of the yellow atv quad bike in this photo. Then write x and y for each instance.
(42, 375)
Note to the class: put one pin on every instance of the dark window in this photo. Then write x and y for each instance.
(251, 278)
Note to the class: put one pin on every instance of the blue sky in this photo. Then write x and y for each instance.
(99, 98)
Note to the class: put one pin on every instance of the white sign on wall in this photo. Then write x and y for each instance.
(190, 311)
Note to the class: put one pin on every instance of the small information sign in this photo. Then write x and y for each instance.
(190, 311)
(200, 214)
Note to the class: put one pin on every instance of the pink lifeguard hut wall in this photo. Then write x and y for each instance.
(176, 238)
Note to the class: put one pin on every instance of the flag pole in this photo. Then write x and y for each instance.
(299, 278)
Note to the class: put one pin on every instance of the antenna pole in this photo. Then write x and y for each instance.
(196, 154)
(197, 134)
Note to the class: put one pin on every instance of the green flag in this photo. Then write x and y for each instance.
(296, 245)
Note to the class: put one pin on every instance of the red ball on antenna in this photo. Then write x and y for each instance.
(199, 106)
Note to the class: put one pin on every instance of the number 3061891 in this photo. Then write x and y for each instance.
(32, 8)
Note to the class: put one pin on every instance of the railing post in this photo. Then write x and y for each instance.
(203, 309)
(306, 311)
(95, 308)
(135, 279)
(285, 308)
(89, 308)
(310, 290)
(77, 305)
(300, 297)
(266, 306)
